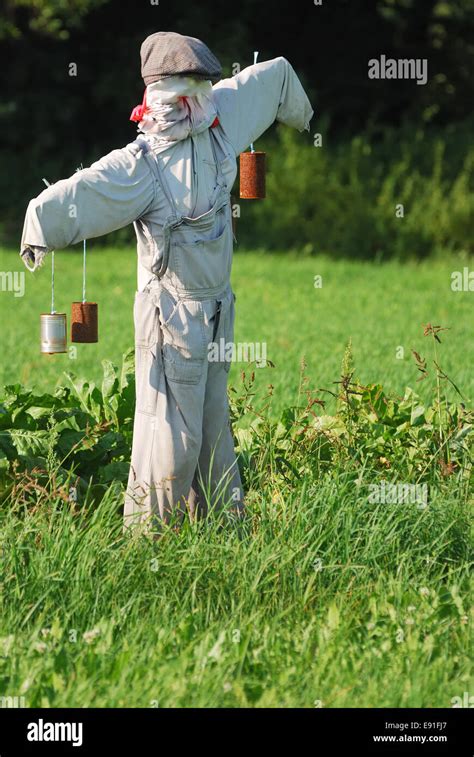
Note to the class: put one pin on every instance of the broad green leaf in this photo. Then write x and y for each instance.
(127, 374)
(30, 442)
(110, 380)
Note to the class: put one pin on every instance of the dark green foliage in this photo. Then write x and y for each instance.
(51, 122)
(344, 198)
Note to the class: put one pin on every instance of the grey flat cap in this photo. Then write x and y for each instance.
(170, 54)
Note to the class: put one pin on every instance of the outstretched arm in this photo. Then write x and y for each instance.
(113, 192)
(251, 101)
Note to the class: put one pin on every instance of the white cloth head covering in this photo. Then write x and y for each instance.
(176, 108)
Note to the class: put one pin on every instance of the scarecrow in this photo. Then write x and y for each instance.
(173, 183)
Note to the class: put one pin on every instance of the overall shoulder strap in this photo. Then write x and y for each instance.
(154, 162)
(220, 175)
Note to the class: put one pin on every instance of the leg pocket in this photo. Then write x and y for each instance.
(181, 371)
(184, 339)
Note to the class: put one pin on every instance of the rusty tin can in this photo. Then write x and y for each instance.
(252, 175)
(85, 322)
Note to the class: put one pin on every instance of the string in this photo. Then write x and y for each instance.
(255, 56)
(81, 168)
(52, 283)
(84, 273)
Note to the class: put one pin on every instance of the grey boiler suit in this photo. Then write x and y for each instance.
(179, 201)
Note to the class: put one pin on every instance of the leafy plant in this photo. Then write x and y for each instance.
(83, 433)
(81, 430)
(372, 434)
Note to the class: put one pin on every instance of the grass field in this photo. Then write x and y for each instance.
(381, 307)
(324, 599)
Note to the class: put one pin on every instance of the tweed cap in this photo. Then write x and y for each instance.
(170, 54)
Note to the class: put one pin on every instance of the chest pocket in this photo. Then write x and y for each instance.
(201, 254)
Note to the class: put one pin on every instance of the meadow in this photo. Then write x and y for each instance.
(382, 307)
(323, 597)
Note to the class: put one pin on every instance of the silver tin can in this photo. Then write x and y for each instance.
(53, 333)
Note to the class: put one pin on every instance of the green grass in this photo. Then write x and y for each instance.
(207, 619)
(324, 599)
(382, 307)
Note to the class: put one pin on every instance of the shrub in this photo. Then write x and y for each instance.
(342, 198)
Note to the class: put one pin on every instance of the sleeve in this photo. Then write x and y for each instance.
(248, 103)
(115, 191)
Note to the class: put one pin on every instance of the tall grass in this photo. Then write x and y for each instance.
(320, 599)
(325, 602)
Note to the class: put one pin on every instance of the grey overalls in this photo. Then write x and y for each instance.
(183, 451)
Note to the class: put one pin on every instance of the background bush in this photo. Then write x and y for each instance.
(342, 198)
(385, 142)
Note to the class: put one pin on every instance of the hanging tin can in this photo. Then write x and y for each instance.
(53, 333)
(84, 322)
(252, 175)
